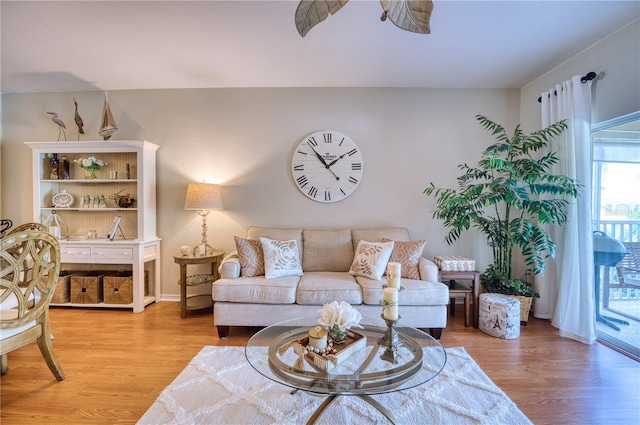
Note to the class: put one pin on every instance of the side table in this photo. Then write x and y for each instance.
(201, 301)
(474, 276)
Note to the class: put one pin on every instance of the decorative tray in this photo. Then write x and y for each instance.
(355, 341)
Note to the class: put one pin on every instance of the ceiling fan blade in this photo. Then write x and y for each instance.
(310, 12)
(410, 15)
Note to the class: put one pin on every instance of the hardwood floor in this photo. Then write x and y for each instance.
(116, 363)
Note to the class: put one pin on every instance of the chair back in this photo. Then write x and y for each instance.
(29, 227)
(28, 293)
(629, 267)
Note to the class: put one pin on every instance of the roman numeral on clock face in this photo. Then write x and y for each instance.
(353, 152)
(356, 166)
(327, 137)
(327, 195)
(298, 167)
(313, 192)
(302, 181)
(353, 180)
(312, 141)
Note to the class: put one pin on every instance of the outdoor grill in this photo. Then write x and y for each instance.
(607, 251)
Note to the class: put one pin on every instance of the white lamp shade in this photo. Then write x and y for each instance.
(203, 196)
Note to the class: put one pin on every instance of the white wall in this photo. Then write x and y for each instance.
(243, 139)
(617, 93)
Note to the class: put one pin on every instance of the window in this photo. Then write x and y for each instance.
(616, 210)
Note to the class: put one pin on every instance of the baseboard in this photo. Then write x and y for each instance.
(170, 297)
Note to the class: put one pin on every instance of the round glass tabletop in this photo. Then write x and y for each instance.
(377, 363)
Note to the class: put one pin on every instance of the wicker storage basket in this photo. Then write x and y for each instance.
(86, 287)
(118, 287)
(525, 308)
(62, 293)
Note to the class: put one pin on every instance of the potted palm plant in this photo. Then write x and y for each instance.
(508, 197)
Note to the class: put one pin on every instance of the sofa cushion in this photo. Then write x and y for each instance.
(376, 235)
(408, 255)
(371, 258)
(414, 292)
(257, 289)
(251, 257)
(256, 233)
(327, 250)
(318, 288)
(281, 258)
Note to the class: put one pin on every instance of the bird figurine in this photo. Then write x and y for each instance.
(78, 119)
(56, 119)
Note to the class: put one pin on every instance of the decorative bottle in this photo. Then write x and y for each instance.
(53, 167)
(63, 168)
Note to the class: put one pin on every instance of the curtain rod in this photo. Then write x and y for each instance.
(590, 76)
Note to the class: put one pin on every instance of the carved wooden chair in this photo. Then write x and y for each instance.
(24, 304)
(24, 228)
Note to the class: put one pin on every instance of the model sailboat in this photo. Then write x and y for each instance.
(109, 125)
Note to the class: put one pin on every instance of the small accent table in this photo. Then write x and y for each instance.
(201, 301)
(474, 276)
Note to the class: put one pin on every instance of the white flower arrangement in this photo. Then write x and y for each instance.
(91, 163)
(339, 317)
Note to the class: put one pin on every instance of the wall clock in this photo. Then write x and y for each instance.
(327, 166)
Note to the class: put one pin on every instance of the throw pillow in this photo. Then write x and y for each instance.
(371, 259)
(250, 256)
(408, 255)
(280, 258)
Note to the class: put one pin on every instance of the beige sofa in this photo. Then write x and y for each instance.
(326, 257)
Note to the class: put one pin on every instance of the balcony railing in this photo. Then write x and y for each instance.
(624, 231)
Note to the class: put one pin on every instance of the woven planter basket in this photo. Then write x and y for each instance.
(525, 308)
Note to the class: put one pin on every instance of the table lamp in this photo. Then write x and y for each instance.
(203, 197)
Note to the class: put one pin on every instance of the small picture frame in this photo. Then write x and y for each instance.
(114, 227)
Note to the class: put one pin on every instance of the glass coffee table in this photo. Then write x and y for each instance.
(416, 358)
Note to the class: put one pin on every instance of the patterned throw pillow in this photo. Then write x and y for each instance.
(408, 255)
(250, 256)
(371, 259)
(280, 258)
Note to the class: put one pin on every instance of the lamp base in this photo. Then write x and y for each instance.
(208, 249)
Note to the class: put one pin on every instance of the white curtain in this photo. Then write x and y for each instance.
(566, 288)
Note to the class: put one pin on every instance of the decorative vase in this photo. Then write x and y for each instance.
(93, 173)
(337, 336)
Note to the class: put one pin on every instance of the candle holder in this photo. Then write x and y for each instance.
(391, 341)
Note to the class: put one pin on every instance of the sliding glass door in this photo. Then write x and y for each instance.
(616, 209)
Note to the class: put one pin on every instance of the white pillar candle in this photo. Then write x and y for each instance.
(390, 311)
(55, 231)
(318, 337)
(201, 249)
(394, 270)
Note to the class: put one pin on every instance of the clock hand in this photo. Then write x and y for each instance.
(323, 161)
(338, 158)
(318, 156)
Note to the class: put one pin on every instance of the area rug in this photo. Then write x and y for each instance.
(220, 387)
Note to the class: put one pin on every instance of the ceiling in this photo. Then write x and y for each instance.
(110, 45)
